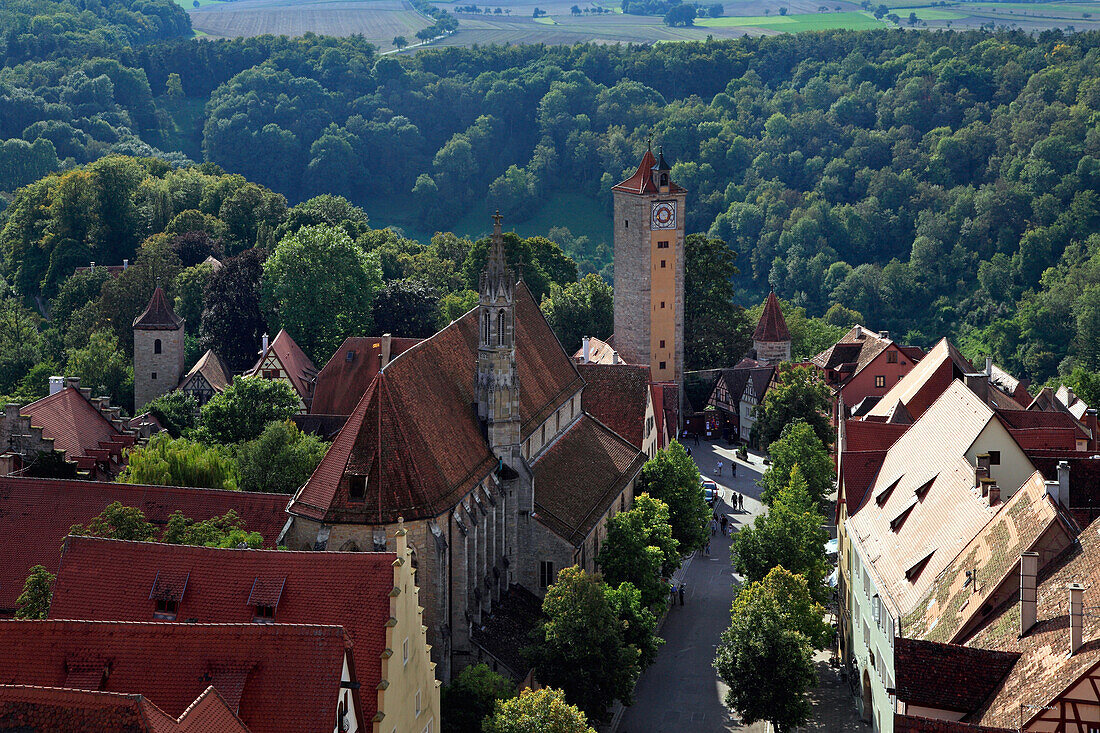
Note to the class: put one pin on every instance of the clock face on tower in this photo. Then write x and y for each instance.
(663, 215)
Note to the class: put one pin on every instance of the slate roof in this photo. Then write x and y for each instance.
(24, 707)
(71, 421)
(158, 315)
(276, 677)
(771, 327)
(295, 362)
(617, 395)
(110, 580)
(1045, 667)
(947, 676)
(343, 380)
(642, 180)
(36, 515)
(578, 477)
(953, 605)
(926, 381)
(507, 630)
(415, 433)
(212, 369)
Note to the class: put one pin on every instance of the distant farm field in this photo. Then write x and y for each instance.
(793, 23)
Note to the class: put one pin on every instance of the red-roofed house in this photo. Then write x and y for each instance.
(449, 436)
(346, 376)
(209, 376)
(274, 677)
(36, 515)
(372, 595)
(619, 396)
(283, 359)
(862, 364)
(31, 708)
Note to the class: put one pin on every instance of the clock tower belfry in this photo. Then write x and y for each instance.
(649, 269)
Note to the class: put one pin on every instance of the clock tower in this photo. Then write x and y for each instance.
(649, 269)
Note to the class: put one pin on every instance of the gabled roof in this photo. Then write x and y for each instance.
(864, 435)
(771, 327)
(760, 377)
(926, 381)
(854, 352)
(617, 395)
(415, 433)
(1072, 402)
(83, 711)
(1010, 385)
(858, 470)
(1026, 421)
(947, 676)
(1045, 668)
(276, 677)
(71, 421)
(36, 515)
(925, 472)
(297, 365)
(158, 315)
(952, 604)
(110, 580)
(579, 475)
(599, 351)
(212, 369)
(642, 180)
(346, 376)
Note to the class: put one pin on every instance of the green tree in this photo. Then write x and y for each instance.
(167, 461)
(798, 395)
(406, 308)
(118, 522)
(319, 286)
(799, 446)
(537, 711)
(790, 534)
(767, 664)
(176, 412)
(104, 367)
(245, 407)
(639, 621)
(471, 697)
(232, 322)
(190, 285)
(225, 531)
(34, 601)
(673, 478)
(717, 331)
(453, 306)
(580, 647)
(20, 343)
(399, 42)
(792, 596)
(173, 87)
(680, 15)
(280, 460)
(640, 549)
(580, 309)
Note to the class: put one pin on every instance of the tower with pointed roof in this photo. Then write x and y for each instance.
(772, 340)
(497, 382)
(649, 269)
(158, 350)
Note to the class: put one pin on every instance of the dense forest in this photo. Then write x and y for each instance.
(926, 183)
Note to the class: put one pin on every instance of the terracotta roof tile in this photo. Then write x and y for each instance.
(109, 580)
(858, 470)
(295, 362)
(916, 724)
(864, 435)
(852, 353)
(158, 315)
(642, 180)
(212, 369)
(344, 379)
(580, 474)
(36, 515)
(947, 676)
(617, 395)
(71, 421)
(293, 680)
(415, 432)
(771, 327)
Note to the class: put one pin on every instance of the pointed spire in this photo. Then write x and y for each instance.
(158, 315)
(498, 263)
(772, 327)
(662, 164)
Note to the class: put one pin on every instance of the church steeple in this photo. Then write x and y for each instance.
(497, 381)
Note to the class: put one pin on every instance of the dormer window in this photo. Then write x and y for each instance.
(263, 615)
(264, 599)
(357, 487)
(165, 610)
(167, 594)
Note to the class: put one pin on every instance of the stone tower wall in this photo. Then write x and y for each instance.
(167, 365)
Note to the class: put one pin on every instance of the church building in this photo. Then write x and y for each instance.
(476, 439)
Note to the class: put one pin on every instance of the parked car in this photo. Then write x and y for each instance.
(710, 491)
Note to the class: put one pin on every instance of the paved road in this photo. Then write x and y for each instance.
(681, 691)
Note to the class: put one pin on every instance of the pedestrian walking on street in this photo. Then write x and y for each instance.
(681, 590)
(706, 549)
(733, 468)
(688, 451)
(719, 468)
(736, 496)
(697, 439)
(741, 502)
(725, 521)
(713, 527)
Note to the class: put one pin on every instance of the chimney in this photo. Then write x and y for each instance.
(1029, 568)
(586, 345)
(387, 345)
(989, 366)
(979, 385)
(56, 384)
(263, 344)
(884, 335)
(994, 493)
(1076, 617)
(1063, 482)
(980, 472)
(983, 466)
(614, 357)
(985, 483)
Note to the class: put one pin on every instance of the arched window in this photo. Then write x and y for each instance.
(500, 328)
(156, 346)
(664, 179)
(485, 328)
(349, 546)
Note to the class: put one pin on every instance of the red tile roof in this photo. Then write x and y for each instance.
(580, 475)
(295, 363)
(158, 315)
(1026, 420)
(642, 180)
(925, 382)
(277, 677)
(342, 381)
(36, 515)
(83, 711)
(415, 432)
(72, 422)
(852, 354)
(864, 435)
(947, 676)
(110, 580)
(916, 724)
(617, 395)
(212, 369)
(772, 327)
(858, 470)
